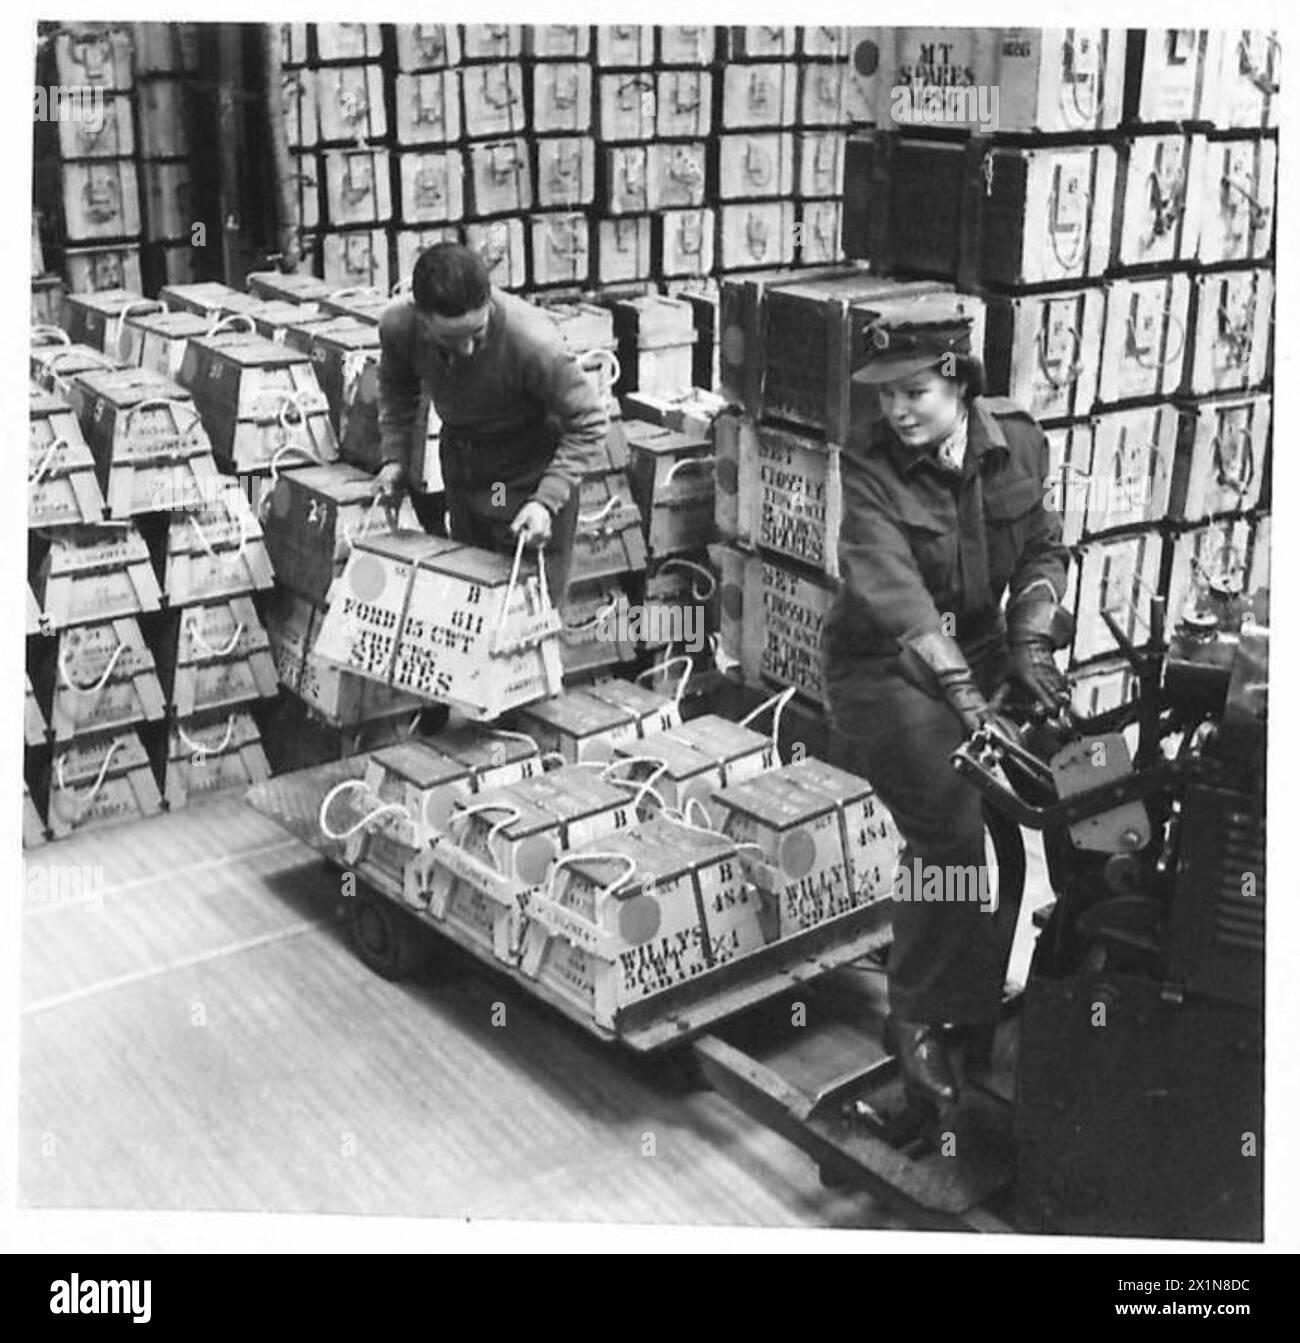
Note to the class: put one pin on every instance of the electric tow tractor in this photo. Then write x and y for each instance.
(1122, 1091)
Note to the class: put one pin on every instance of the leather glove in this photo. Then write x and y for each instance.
(941, 655)
(1035, 629)
(391, 482)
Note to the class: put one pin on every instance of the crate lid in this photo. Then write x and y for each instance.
(576, 712)
(339, 481)
(771, 800)
(818, 776)
(173, 325)
(107, 301)
(637, 699)
(248, 350)
(642, 436)
(420, 763)
(42, 404)
(719, 737)
(343, 333)
(124, 387)
(681, 760)
(481, 749)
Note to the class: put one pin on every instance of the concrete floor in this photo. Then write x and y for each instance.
(206, 1040)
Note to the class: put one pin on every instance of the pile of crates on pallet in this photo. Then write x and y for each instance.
(113, 158)
(1115, 210)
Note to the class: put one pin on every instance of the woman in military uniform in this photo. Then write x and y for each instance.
(944, 517)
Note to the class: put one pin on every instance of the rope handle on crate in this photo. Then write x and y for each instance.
(591, 519)
(1257, 75)
(230, 322)
(351, 785)
(777, 704)
(1240, 336)
(49, 365)
(661, 669)
(207, 545)
(201, 749)
(117, 327)
(643, 786)
(175, 439)
(1075, 363)
(45, 333)
(1241, 482)
(682, 818)
(36, 476)
(682, 463)
(355, 291)
(1085, 205)
(1166, 208)
(196, 636)
(591, 360)
(694, 569)
(543, 594)
(594, 622)
(568, 859)
(66, 677)
(461, 815)
(1089, 117)
(1257, 210)
(401, 287)
(1170, 320)
(365, 523)
(94, 787)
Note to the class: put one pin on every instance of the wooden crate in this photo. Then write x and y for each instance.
(561, 98)
(101, 199)
(81, 138)
(210, 755)
(357, 187)
(1044, 351)
(1156, 202)
(566, 171)
(93, 574)
(157, 340)
(216, 656)
(427, 46)
(1169, 80)
(1119, 576)
(103, 678)
(61, 483)
(493, 97)
(101, 780)
(215, 549)
(95, 55)
(114, 266)
(1146, 338)
(624, 45)
(764, 95)
(1215, 554)
(579, 726)
(594, 636)
(1132, 468)
(675, 175)
(147, 437)
(1222, 449)
(1229, 330)
(1236, 187)
(428, 107)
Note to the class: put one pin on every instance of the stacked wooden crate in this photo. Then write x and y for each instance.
(1116, 214)
(789, 345)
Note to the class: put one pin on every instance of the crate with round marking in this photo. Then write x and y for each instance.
(388, 816)
(314, 515)
(215, 548)
(210, 755)
(638, 913)
(1222, 450)
(99, 780)
(104, 677)
(1146, 338)
(61, 483)
(215, 657)
(578, 726)
(651, 711)
(95, 573)
(446, 621)
(1060, 80)
(1229, 330)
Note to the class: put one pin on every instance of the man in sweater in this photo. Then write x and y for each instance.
(521, 423)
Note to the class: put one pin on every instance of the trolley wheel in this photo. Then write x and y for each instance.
(386, 939)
